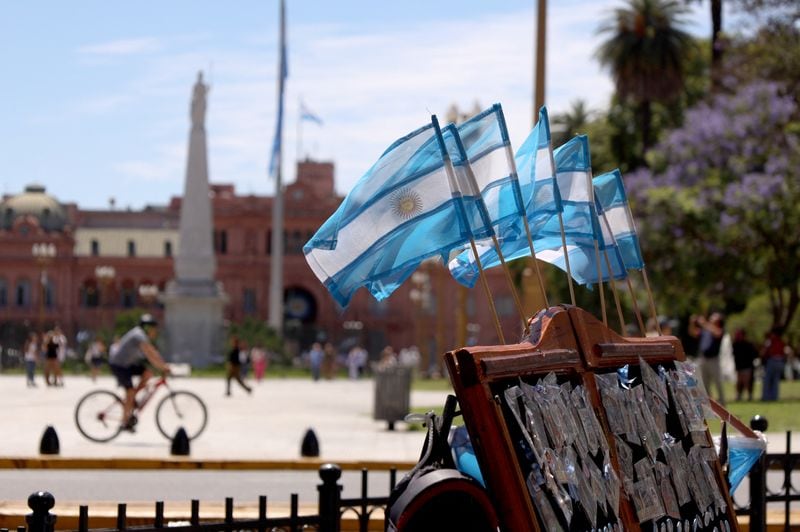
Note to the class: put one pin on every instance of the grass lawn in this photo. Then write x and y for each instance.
(782, 415)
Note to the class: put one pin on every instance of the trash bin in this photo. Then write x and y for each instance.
(392, 394)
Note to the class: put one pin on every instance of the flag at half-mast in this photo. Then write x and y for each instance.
(517, 186)
(581, 227)
(402, 211)
(610, 195)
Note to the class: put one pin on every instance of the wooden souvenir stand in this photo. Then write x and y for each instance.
(578, 349)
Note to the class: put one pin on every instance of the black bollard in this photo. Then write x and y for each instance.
(310, 446)
(49, 443)
(180, 443)
(759, 423)
(41, 520)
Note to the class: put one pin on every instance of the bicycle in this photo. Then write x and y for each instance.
(99, 413)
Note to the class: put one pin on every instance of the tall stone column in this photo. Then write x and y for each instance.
(194, 301)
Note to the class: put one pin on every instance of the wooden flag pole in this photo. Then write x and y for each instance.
(636, 307)
(517, 301)
(652, 301)
(488, 293)
(613, 284)
(600, 283)
(513, 164)
(566, 259)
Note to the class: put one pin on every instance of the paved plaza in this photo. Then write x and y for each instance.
(267, 425)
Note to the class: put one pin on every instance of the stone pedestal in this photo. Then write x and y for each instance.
(194, 323)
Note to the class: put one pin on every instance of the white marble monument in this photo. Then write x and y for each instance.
(194, 300)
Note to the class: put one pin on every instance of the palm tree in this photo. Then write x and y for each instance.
(568, 124)
(646, 51)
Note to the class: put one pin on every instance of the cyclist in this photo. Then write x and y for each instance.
(134, 349)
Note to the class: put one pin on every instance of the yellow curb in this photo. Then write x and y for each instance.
(308, 464)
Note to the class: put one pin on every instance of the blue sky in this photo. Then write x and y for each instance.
(95, 99)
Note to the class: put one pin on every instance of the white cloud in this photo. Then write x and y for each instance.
(118, 47)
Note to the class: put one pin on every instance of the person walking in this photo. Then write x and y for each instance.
(328, 360)
(744, 355)
(234, 366)
(95, 356)
(31, 357)
(260, 361)
(315, 357)
(773, 354)
(709, 333)
(54, 340)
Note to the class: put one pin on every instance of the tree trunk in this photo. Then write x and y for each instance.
(645, 119)
(716, 46)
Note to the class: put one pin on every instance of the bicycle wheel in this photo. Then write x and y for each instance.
(98, 415)
(181, 409)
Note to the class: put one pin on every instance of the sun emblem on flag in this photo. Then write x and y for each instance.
(406, 203)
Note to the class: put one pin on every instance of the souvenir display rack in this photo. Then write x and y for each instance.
(578, 428)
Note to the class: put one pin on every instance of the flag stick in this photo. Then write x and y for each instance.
(636, 307)
(513, 164)
(488, 293)
(613, 284)
(600, 283)
(510, 283)
(652, 302)
(566, 258)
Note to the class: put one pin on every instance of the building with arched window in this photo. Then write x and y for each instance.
(80, 267)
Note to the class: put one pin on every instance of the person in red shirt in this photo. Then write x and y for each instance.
(773, 356)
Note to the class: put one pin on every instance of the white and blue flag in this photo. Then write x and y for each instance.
(308, 115)
(523, 185)
(581, 226)
(402, 211)
(610, 195)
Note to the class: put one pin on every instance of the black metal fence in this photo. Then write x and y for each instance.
(332, 507)
(330, 511)
(761, 496)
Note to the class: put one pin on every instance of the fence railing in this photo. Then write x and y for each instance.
(760, 494)
(331, 509)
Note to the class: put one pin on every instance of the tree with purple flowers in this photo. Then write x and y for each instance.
(719, 207)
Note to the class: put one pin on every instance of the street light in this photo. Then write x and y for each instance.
(105, 275)
(44, 253)
(148, 293)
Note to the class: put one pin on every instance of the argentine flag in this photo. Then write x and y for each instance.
(582, 228)
(529, 190)
(610, 194)
(402, 211)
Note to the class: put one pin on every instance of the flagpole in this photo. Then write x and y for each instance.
(563, 234)
(276, 264)
(510, 283)
(488, 293)
(613, 284)
(513, 164)
(600, 283)
(636, 307)
(652, 301)
(456, 191)
(300, 132)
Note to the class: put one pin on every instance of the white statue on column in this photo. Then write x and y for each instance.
(198, 109)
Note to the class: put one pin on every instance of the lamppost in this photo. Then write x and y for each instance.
(420, 295)
(148, 293)
(105, 276)
(44, 253)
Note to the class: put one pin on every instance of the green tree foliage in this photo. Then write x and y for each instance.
(256, 332)
(646, 51)
(720, 208)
